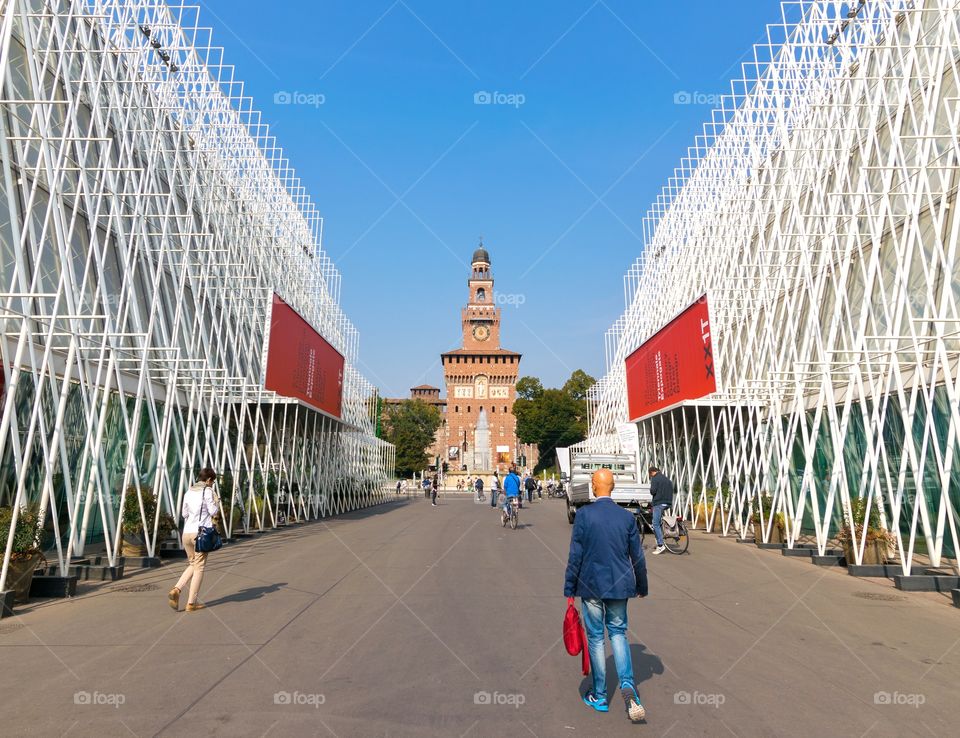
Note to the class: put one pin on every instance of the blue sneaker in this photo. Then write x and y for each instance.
(591, 700)
(635, 710)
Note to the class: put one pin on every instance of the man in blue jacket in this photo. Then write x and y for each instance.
(511, 487)
(605, 568)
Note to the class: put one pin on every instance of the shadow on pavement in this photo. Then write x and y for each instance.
(645, 666)
(246, 595)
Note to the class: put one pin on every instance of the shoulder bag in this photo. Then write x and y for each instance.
(208, 538)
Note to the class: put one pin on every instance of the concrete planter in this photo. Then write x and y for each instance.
(20, 574)
(874, 552)
(132, 546)
(776, 535)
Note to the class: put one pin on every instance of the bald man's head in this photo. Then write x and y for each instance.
(602, 482)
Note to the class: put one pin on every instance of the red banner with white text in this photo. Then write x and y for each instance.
(300, 362)
(674, 364)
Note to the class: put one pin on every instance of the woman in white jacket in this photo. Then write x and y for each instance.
(199, 506)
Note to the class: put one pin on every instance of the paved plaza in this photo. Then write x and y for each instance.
(409, 620)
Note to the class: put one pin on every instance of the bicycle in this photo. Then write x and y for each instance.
(513, 516)
(675, 537)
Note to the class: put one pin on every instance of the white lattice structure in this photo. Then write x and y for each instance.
(818, 211)
(146, 219)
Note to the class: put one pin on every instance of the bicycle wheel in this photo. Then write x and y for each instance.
(503, 518)
(514, 520)
(679, 542)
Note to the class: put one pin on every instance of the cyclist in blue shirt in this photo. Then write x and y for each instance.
(511, 487)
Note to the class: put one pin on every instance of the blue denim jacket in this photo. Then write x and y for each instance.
(606, 560)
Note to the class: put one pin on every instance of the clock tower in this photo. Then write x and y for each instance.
(480, 378)
(481, 317)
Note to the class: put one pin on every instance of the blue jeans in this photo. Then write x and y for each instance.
(506, 505)
(657, 518)
(613, 614)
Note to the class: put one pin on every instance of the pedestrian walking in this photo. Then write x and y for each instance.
(530, 486)
(661, 489)
(199, 506)
(494, 489)
(605, 568)
(436, 485)
(398, 486)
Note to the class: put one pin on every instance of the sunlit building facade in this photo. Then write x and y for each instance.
(150, 230)
(817, 218)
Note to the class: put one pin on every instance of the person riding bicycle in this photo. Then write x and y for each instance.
(511, 488)
(661, 489)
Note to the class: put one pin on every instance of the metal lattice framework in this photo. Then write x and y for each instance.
(818, 213)
(146, 219)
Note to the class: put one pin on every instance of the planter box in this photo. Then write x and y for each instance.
(47, 586)
(776, 535)
(874, 553)
(828, 560)
(20, 575)
(6, 603)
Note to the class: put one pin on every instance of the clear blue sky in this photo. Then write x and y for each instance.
(408, 170)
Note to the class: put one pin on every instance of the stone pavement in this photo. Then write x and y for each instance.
(409, 620)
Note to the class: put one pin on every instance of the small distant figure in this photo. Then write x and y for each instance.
(511, 488)
(399, 486)
(530, 485)
(661, 489)
(494, 489)
(436, 486)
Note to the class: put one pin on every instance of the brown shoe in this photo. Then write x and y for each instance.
(174, 598)
(194, 608)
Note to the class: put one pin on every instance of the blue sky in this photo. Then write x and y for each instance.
(556, 172)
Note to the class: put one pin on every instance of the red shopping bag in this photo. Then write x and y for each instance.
(574, 638)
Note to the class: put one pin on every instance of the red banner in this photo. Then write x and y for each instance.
(300, 362)
(674, 364)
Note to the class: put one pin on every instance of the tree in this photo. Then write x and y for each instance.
(411, 426)
(578, 385)
(529, 388)
(552, 417)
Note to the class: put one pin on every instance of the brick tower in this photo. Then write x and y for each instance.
(480, 377)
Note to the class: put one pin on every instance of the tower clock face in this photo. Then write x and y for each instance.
(481, 332)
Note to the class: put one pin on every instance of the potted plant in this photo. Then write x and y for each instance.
(26, 554)
(778, 529)
(878, 538)
(712, 497)
(133, 541)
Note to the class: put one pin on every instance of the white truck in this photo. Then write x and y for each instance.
(579, 466)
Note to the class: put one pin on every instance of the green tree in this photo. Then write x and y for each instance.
(529, 388)
(411, 426)
(552, 417)
(578, 385)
